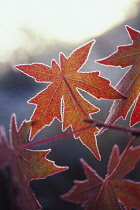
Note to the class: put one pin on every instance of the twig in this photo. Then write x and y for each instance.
(27, 145)
(133, 131)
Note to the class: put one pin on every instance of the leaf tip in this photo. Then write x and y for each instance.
(98, 157)
(128, 27)
(134, 34)
(90, 43)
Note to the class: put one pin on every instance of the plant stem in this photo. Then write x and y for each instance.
(122, 157)
(24, 146)
(133, 131)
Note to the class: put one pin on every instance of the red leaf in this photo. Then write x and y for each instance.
(129, 84)
(64, 84)
(16, 193)
(87, 190)
(20, 166)
(132, 156)
(33, 162)
(135, 117)
(112, 192)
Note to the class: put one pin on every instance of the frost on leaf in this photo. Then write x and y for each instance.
(110, 193)
(129, 85)
(65, 81)
(19, 166)
(34, 163)
(15, 191)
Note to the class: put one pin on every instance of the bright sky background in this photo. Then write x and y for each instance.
(61, 20)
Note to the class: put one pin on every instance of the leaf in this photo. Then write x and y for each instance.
(129, 85)
(15, 192)
(33, 162)
(125, 55)
(62, 99)
(135, 117)
(114, 191)
(19, 166)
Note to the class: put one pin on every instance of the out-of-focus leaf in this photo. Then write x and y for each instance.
(114, 191)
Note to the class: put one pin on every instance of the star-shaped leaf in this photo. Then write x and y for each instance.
(64, 84)
(33, 162)
(114, 191)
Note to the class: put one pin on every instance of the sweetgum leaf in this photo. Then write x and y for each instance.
(132, 157)
(129, 85)
(65, 80)
(33, 162)
(114, 191)
(19, 166)
(125, 55)
(15, 192)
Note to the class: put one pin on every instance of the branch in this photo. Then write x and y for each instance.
(60, 136)
(133, 131)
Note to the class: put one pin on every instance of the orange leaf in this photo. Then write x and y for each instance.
(125, 55)
(129, 85)
(96, 193)
(65, 82)
(34, 163)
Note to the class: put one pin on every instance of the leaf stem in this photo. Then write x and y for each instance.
(133, 131)
(122, 157)
(74, 97)
(27, 145)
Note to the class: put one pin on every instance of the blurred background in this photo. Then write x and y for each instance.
(36, 31)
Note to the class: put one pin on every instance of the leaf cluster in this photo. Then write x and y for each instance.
(63, 100)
